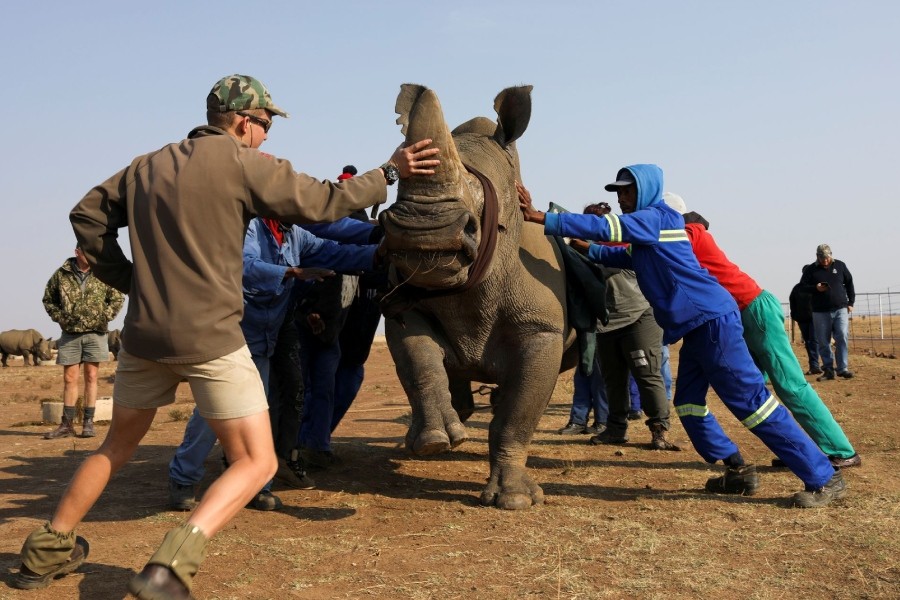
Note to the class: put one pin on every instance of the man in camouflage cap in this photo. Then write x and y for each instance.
(241, 92)
(83, 306)
(186, 207)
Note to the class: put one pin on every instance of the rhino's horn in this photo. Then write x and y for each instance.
(421, 117)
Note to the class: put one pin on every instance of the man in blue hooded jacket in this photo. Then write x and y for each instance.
(689, 304)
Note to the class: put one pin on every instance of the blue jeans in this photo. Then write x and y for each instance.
(590, 393)
(828, 324)
(186, 467)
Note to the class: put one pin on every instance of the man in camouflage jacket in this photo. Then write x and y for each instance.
(83, 306)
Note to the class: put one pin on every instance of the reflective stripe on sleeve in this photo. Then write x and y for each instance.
(673, 235)
(615, 227)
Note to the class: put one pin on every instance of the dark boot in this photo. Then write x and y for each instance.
(87, 428)
(65, 429)
(741, 480)
(835, 489)
(659, 441)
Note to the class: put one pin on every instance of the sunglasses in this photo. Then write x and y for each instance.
(264, 123)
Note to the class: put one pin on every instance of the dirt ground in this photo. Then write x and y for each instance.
(618, 522)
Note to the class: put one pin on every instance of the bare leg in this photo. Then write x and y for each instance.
(127, 429)
(71, 373)
(247, 442)
(91, 372)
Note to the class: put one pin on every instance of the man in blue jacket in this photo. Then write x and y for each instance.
(689, 304)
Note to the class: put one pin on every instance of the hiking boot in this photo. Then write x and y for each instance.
(292, 473)
(158, 581)
(635, 415)
(26, 579)
(596, 428)
(814, 371)
(777, 463)
(572, 429)
(87, 428)
(846, 374)
(266, 501)
(828, 375)
(65, 429)
(842, 463)
(659, 441)
(741, 480)
(607, 437)
(181, 497)
(835, 489)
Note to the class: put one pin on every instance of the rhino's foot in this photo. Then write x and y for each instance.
(432, 441)
(512, 489)
(436, 441)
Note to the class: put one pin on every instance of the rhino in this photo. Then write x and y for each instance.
(479, 295)
(27, 343)
(114, 338)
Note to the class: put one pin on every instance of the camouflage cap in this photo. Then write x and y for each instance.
(240, 92)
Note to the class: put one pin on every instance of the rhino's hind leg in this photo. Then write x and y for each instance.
(511, 488)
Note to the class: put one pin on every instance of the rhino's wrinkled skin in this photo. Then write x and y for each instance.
(114, 340)
(27, 343)
(510, 329)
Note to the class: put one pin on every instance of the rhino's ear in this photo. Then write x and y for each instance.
(513, 106)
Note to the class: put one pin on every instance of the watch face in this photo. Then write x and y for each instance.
(391, 174)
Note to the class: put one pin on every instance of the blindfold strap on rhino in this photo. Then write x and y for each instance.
(405, 296)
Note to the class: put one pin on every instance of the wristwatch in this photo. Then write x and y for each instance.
(391, 173)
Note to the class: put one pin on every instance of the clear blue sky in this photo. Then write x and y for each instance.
(778, 121)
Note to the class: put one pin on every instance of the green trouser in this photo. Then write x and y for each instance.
(771, 349)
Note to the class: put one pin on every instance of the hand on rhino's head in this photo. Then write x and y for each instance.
(433, 233)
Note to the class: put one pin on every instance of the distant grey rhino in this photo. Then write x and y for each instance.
(27, 343)
(114, 338)
(479, 296)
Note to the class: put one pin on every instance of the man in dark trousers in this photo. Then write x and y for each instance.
(801, 313)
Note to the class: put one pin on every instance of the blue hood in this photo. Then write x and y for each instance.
(649, 180)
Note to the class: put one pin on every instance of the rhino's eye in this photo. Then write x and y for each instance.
(471, 226)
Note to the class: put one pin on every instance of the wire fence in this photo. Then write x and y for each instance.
(874, 323)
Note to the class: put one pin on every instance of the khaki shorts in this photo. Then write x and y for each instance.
(224, 388)
(77, 348)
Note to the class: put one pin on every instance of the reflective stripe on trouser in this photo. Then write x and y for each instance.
(715, 354)
(768, 342)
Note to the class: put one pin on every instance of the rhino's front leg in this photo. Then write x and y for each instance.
(419, 354)
(523, 396)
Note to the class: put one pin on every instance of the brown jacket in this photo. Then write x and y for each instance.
(186, 207)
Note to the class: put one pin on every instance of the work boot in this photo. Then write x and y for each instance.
(595, 428)
(846, 374)
(835, 489)
(828, 375)
(608, 437)
(635, 415)
(572, 429)
(87, 428)
(181, 497)
(65, 429)
(319, 459)
(47, 555)
(292, 473)
(659, 441)
(170, 571)
(741, 480)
